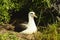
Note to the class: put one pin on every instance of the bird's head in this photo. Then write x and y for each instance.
(32, 14)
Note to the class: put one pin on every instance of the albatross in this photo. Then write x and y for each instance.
(31, 26)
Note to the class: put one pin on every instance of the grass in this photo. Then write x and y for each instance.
(50, 33)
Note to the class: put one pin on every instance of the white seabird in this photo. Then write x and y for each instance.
(31, 26)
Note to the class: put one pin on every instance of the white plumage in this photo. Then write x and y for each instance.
(31, 26)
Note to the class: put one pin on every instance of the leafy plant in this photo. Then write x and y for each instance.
(51, 32)
(8, 36)
(5, 5)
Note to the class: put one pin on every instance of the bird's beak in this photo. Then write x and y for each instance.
(35, 16)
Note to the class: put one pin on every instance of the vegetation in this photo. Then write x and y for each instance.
(48, 22)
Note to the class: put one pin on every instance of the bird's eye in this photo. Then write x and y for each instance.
(31, 13)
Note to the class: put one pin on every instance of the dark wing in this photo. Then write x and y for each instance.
(19, 28)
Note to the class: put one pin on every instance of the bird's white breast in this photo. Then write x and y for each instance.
(30, 29)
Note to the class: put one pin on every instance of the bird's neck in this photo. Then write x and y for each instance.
(31, 20)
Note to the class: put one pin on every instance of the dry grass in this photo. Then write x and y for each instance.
(50, 33)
